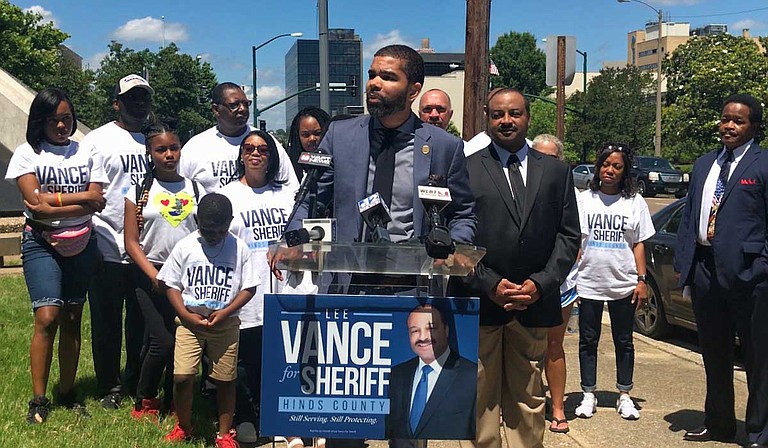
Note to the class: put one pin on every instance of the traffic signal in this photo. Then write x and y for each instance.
(352, 86)
(263, 125)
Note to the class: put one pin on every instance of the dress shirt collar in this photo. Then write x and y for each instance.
(522, 154)
(437, 364)
(738, 153)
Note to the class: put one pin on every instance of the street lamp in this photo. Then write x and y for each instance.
(657, 149)
(253, 52)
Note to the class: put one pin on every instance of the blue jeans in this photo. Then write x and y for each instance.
(622, 314)
(54, 280)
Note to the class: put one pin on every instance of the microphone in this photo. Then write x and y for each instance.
(375, 213)
(436, 196)
(303, 236)
(316, 163)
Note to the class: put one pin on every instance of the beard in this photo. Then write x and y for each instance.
(387, 106)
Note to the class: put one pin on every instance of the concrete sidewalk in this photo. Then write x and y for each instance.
(669, 389)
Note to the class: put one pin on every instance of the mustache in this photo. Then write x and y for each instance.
(424, 341)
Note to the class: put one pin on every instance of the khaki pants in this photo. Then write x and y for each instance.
(509, 382)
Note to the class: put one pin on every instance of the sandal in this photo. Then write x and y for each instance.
(555, 426)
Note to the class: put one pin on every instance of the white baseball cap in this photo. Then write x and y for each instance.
(131, 81)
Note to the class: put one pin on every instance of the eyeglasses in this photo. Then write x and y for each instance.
(262, 149)
(236, 105)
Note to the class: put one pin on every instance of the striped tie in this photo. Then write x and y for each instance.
(722, 181)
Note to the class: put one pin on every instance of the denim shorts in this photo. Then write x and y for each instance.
(53, 280)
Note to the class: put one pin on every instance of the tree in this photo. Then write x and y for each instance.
(29, 49)
(452, 129)
(700, 74)
(182, 85)
(619, 107)
(521, 64)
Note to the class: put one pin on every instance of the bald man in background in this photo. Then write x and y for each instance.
(435, 108)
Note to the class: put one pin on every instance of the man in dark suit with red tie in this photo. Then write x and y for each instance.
(722, 254)
(528, 221)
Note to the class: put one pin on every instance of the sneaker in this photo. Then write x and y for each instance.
(246, 433)
(227, 440)
(178, 435)
(39, 408)
(588, 406)
(111, 401)
(626, 408)
(70, 401)
(147, 407)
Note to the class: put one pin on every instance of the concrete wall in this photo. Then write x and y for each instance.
(15, 99)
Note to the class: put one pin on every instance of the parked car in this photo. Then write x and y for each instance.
(655, 175)
(582, 174)
(667, 305)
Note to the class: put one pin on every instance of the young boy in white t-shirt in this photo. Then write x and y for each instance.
(210, 275)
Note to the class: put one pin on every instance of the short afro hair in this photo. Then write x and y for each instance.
(214, 210)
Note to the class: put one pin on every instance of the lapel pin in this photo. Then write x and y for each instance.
(425, 149)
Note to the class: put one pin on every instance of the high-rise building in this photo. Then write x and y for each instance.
(302, 71)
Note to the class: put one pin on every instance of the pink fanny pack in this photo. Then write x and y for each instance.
(68, 241)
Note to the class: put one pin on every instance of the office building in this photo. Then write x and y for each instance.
(302, 71)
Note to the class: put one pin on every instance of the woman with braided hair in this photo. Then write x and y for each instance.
(158, 213)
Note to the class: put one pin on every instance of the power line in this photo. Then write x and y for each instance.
(721, 14)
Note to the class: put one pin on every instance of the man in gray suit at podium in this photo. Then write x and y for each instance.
(391, 152)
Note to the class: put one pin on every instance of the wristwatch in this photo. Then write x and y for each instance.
(641, 278)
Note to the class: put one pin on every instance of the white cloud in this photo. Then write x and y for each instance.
(47, 15)
(752, 24)
(94, 62)
(382, 40)
(150, 29)
(270, 94)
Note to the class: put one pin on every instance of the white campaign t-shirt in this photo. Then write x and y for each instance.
(209, 277)
(610, 226)
(260, 217)
(59, 169)
(125, 162)
(169, 216)
(210, 158)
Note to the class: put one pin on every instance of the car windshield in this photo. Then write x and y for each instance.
(652, 162)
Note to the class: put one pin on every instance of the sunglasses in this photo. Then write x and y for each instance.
(619, 148)
(236, 105)
(262, 149)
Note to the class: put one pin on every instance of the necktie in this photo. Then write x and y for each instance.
(383, 153)
(420, 398)
(516, 181)
(722, 181)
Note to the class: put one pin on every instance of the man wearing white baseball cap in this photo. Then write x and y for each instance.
(120, 147)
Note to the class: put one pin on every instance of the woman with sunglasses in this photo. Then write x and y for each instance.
(261, 204)
(159, 212)
(614, 223)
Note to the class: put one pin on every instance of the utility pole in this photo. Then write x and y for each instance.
(325, 93)
(657, 148)
(476, 65)
(560, 128)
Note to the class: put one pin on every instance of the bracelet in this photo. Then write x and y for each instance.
(58, 198)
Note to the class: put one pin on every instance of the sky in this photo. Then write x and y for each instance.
(222, 33)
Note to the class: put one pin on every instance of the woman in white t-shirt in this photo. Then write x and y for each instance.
(158, 213)
(62, 187)
(261, 205)
(614, 223)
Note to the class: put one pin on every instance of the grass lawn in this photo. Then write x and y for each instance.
(63, 428)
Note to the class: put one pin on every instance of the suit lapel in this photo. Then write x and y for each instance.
(750, 156)
(492, 165)
(360, 157)
(533, 181)
(442, 388)
(422, 161)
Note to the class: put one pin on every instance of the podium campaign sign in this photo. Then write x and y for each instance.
(351, 366)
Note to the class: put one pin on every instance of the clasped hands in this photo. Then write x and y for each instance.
(515, 297)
